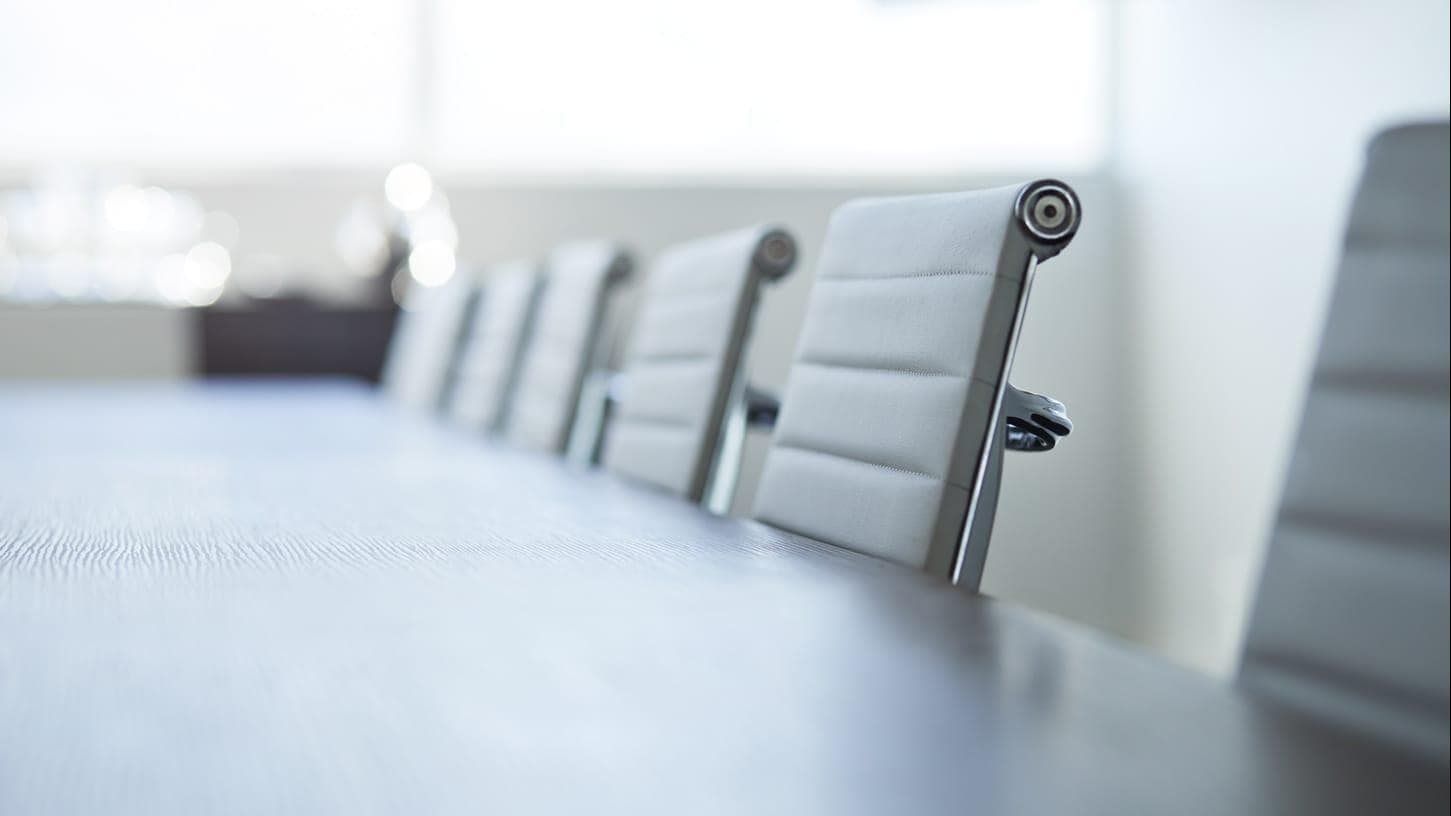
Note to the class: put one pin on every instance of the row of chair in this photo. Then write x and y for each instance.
(892, 427)
(891, 431)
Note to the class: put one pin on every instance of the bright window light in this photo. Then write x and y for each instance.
(768, 86)
(733, 88)
(226, 81)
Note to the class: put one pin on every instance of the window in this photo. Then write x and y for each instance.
(765, 86)
(229, 81)
(558, 86)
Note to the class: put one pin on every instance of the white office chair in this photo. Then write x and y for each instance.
(567, 345)
(893, 427)
(678, 420)
(1351, 618)
(494, 346)
(422, 353)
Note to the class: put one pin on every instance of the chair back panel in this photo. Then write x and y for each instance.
(893, 386)
(426, 339)
(1351, 617)
(685, 356)
(494, 346)
(564, 343)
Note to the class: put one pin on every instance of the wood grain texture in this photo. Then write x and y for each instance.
(277, 599)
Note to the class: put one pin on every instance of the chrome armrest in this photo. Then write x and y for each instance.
(1035, 422)
(1048, 213)
(762, 407)
(597, 397)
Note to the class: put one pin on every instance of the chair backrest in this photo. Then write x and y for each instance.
(685, 356)
(425, 341)
(494, 345)
(565, 343)
(893, 396)
(1351, 617)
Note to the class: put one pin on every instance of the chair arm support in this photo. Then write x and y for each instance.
(1035, 422)
(762, 407)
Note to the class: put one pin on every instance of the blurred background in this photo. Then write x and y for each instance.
(226, 187)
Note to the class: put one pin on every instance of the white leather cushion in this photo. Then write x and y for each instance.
(890, 395)
(563, 343)
(426, 339)
(494, 346)
(683, 356)
(1351, 619)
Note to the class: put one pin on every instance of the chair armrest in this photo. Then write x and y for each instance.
(762, 407)
(1034, 421)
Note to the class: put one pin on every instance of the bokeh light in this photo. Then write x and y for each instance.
(408, 187)
(432, 263)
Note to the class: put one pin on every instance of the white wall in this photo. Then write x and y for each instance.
(1241, 129)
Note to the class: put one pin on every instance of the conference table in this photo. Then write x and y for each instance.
(291, 597)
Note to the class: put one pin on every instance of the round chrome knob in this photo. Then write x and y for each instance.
(775, 253)
(1049, 211)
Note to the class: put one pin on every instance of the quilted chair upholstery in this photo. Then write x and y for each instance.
(566, 342)
(895, 391)
(425, 342)
(1351, 618)
(684, 362)
(494, 346)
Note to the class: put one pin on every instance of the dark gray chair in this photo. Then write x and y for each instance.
(424, 348)
(567, 343)
(1351, 618)
(494, 346)
(892, 425)
(683, 377)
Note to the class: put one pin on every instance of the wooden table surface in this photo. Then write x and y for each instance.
(254, 598)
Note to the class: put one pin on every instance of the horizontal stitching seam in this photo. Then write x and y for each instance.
(666, 358)
(881, 369)
(1349, 527)
(960, 273)
(696, 292)
(889, 370)
(855, 460)
(649, 419)
(1309, 670)
(1403, 244)
(1422, 382)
